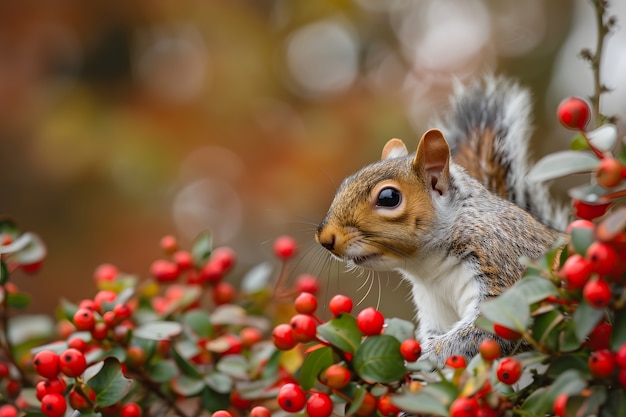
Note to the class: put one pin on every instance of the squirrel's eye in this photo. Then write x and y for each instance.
(389, 197)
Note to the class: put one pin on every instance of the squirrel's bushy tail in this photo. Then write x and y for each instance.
(489, 130)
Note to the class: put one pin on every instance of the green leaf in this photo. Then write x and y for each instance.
(219, 382)
(433, 399)
(357, 399)
(615, 405)
(341, 332)
(109, 383)
(257, 278)
(560, 164)
(618, 334)
(563, 363)
(163, 371)
(28, 327)
(18, 300)
(4, 273)
(199, 322)
(581, 239)
(35, 251)
(587, 405)
(158, 330)
(510, 309)
(187, 386)
(545, 326)
(183, 364)
(400, 329)
(579, 143)
(540, 402)
(213, 401)
(586, 318)
(314, 363)
(235, 366)
(201, 250)
(378, 359)
(569, 342)
(535, 288)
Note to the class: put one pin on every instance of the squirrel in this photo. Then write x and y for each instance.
(454, 228)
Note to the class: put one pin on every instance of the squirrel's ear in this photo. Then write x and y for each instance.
(395, 148)
(433, 159)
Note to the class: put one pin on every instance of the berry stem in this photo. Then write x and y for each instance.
(595, 150)
(596, 59)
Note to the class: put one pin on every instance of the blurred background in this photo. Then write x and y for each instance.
(121, 122)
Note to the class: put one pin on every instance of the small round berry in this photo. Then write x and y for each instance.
(283, 338)
(122, 311)
(285, 247)
(13, 388)
(103, 298)
(590, 211)
(485, 410)
(223, 293)
(305, 303)
(505, 332)
(169, 243)
(509, 371)
(602, 256)
(164, 271)
(211, 272)
(386, 407)
(291, 398)
(336, 376)
(620, 356)
(100, 331)
(303, 327)
(621, 377)
(368, 405)
(53, 405)
(597, 293)
(579, 224)
(221, 413)
(464, 407)
(307, 283)
(79, 402)
(489, 349)
(559, 405)
(49, 386)
(84, 319)
(600, 336)
(4, 370)
(340, 304)
(105, 272)
(456, 362)
(77, 343)
(183, 260)
(130, 410)
(72, 362)
(576, 271)
(238, 401)
(46, 363)
(135, 357)
(319, 405)
(601, 363)
(250, 336)
(573, 113)
(260, 411)
(224, 257)
(609, 173)
(411, 350)
(8, 410)
(370, 321)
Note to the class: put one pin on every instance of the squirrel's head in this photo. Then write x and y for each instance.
(380, 214)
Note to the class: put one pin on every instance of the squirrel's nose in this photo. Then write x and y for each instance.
(326, 238)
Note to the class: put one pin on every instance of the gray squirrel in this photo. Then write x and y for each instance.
(454, 228)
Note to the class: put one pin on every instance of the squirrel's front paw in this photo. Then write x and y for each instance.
(432, 351)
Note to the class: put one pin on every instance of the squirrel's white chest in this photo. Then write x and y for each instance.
(445, 292)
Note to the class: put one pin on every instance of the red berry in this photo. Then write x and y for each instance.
(579, 224)
(283, 338)
(600, 337)
(105, 272)
(221, 413)
(336, 376)
(305, 303)
(620, 356)
(100, 331)
(130, 410)
(212, 272)
(84, 319)
(411, 350)
(291, 398)
(621, 377)
(53, 405)
(609, 173)
(486, 411)
(456, 362)
(183, 260)
(169, 244)
(164, 271)
(303, 327)
(340, 304)
(46, 363)
(8, 410)
(122, 311)
(307, 283)
(489, 349)
(576, 271)
(135, 356)
(573, 113)
(224, 257)
(13, 388)
(285, 247)
(223, 293)
(77, 343)
(4, 370)
(505, 332)
(72, 362)
(601, 363)
(250, 336)
(319, 405)
(368, 405)
(370, 321)
(385, 406)
(79, 402)
(590, 211)
(602, 256)
(559, 405)
(260, 411)
(597, 293)
(102, 299)
(237, 401)
(464, 407)
(50, 386)
(509, 371)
